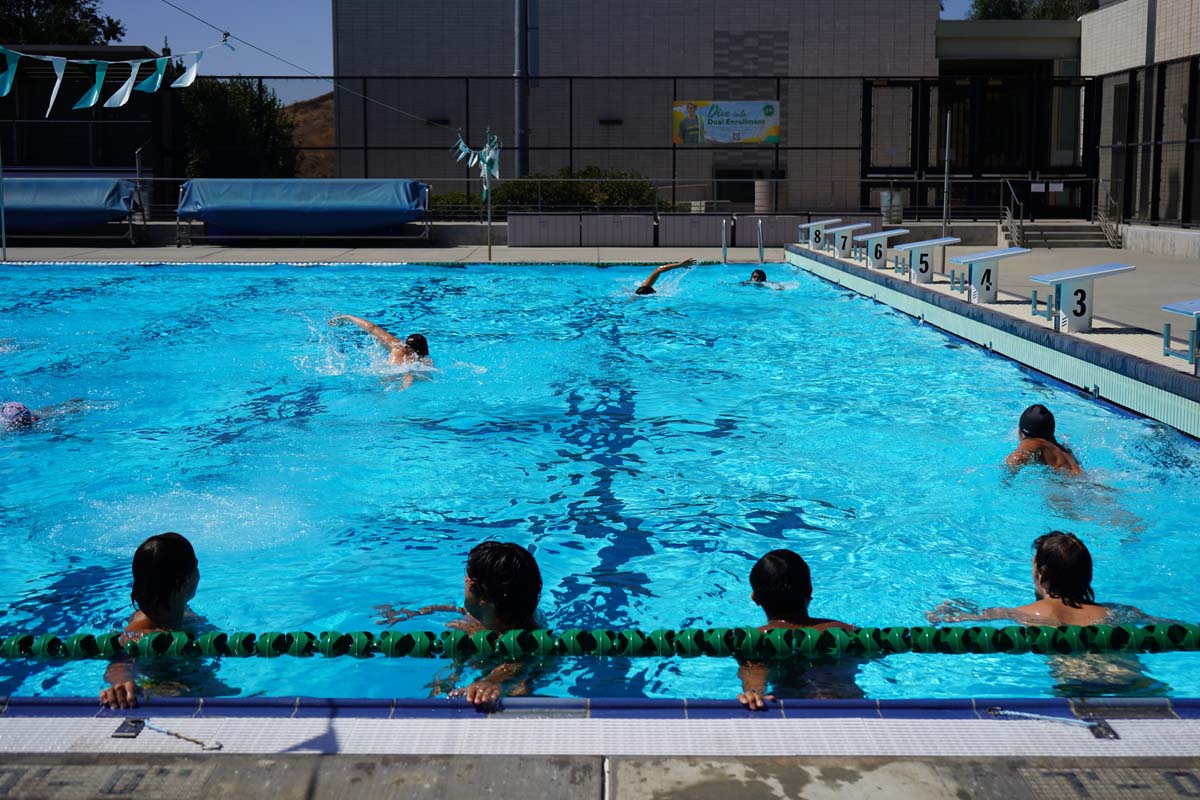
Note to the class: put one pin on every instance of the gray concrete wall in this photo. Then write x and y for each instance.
(1162, 241)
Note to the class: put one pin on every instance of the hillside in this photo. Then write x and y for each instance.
(314, 128)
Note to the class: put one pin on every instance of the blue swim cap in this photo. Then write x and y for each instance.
(15, 415)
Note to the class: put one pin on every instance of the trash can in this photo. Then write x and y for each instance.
(891, 207)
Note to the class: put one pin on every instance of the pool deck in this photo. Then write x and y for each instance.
(621, 749)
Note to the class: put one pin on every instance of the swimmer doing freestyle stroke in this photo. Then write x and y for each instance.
(412, 351)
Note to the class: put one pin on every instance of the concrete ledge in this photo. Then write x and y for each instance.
(1157, 241)
(1150, 389)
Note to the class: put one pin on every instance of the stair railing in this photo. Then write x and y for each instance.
(1104, 212)
(1013, 215)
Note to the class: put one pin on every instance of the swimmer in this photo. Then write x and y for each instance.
(647, 286)
(759, 278)
(500, 593)
(781, 585)
(1038, 445)
(16, 416)
(165, 577)
(1062, 584)
(413, 351)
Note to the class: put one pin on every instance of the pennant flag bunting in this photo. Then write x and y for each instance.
(6, 78)
(121, 96)
(150, 84)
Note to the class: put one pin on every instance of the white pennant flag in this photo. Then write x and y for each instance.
(60, 65)
(121, 96)
(188, 78)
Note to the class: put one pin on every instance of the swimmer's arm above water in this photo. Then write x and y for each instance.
(383, 337)
(649, 282)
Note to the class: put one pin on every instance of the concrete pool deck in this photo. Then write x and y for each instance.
(575, 749)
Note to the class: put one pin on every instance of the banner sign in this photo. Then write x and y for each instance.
(725, 122)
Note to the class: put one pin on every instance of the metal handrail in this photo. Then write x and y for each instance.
(1014, 215)
(1103, 215)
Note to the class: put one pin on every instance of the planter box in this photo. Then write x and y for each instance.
(543, 230)
(692, 230)
(778, 229)
(618, 230)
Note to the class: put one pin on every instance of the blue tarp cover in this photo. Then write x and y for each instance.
(64, 204)
(300, 206)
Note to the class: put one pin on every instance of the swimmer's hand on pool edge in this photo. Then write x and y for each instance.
(754, 700)
(754, 686)
(122, 691)
(121, 695)
(484, 694)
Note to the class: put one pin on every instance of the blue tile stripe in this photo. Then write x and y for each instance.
(596, 708)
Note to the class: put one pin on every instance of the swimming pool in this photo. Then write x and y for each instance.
(648, 450)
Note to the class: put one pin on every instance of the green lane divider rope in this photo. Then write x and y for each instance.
(748, 643)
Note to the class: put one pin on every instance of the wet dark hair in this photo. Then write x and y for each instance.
(418, 344)
(644, 290)
(758, 276)
(781, 582)
(507, 576)
(1037, 423)
(1065, 567)
(161, 566)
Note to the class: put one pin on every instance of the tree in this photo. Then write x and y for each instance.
(998, 9)
(1062, 9)
(237, 128)
(56, 22)
(1031, 9)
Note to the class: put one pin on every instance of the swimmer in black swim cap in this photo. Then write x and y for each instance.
(759, 278)
(412, 351)
(647, 286)
(1037, 444)
(416, 342)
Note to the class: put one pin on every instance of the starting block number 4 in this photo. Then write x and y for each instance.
(983, 283)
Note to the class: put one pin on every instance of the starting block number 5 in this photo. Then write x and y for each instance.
(921, 270)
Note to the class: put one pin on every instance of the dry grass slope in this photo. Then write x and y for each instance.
(314, 128)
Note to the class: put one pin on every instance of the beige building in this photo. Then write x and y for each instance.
(605, 75)
(1144, 55)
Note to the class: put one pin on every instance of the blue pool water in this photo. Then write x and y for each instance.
(648, 451)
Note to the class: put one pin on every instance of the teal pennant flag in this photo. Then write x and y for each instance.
(153, 81)
(6, 77)
(93, 94)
